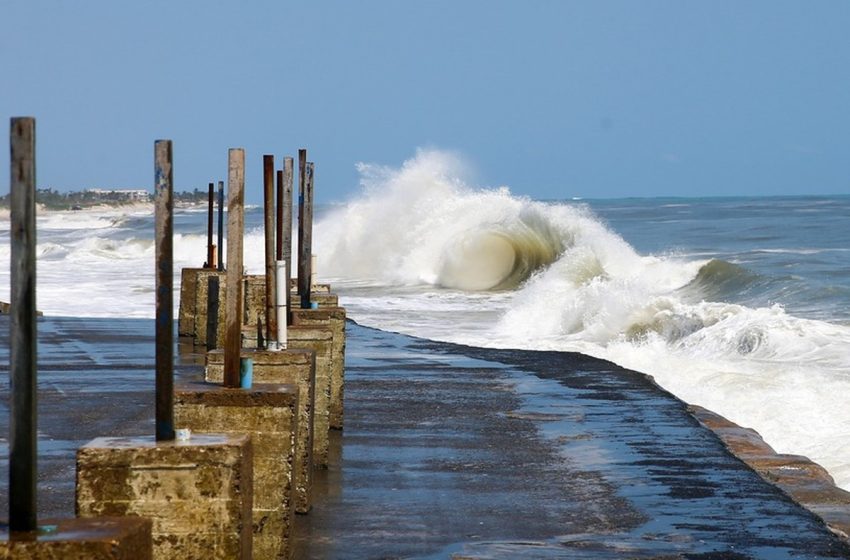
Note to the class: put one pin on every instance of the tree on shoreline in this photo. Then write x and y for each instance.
(52, 199)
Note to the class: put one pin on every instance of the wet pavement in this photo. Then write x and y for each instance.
(456, 452)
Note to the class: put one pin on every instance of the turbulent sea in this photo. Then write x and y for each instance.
(741, 305)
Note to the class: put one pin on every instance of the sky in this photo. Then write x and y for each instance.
(554, 99)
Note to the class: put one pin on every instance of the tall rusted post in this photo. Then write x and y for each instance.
(221, 225)
(285, 249)
(305, 227)
(23, 424)
(164, 216)
(210, 244)
(269, 215)
(233, 280)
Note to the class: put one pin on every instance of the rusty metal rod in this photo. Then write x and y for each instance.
(269, 215)
(286, 227)
(305, 234)
(23, 424)
(164, 216)
(233, 280)
(210, 245)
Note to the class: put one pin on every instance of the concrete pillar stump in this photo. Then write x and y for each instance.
(320, 341)
(335, 318)
(296, 367)
(96, 538)
(269, 413)
(192, 316)
(197, 492)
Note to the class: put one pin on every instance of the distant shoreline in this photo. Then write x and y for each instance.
(134, 207)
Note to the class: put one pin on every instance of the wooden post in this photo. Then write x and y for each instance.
(23, 424)
(269, 214)
(221, 225)
(235, 230)
(164, 228)
(212, 312)
(285, 251)
(305, 227)
(210, 244)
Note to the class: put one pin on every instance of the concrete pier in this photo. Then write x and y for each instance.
(296, 367)
(269, 414)
(104, 538)
(457, 452)
(197, 492)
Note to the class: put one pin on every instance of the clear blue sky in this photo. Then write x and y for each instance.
(552, 98)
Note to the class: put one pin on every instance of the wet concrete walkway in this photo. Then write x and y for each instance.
(454, 452)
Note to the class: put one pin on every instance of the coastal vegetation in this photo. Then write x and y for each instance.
(52, 199)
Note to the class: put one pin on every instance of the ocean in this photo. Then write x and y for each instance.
(740, 305)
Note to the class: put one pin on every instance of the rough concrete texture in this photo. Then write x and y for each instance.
(255, 298)
(94, 538)
(197, 492)
(199, 332)
(320, 341)
(269, 414)
(803, 480)
(335, 317)
(186, 314)
(285, 366)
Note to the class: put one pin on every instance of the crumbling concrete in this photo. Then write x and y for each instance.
(286, 366)
(95, 538)
(198, 493)
(269, 414)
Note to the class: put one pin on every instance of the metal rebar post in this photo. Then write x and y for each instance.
(286, 227)
(233, 280)
(210, 245)
(269, 215)
(22, 368)
(164, 230)
(305, 247)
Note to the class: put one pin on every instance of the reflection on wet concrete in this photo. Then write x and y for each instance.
(455, 452)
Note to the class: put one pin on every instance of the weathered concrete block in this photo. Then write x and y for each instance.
(93, 538)
(199, 332)
(186, 315)
(198, 492)
(286, 366)
(269, 413)
(335, 318)
(320, 341)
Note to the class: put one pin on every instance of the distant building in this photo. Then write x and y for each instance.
(130, 195)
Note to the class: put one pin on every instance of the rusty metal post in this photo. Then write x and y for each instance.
(233, 280)
(269, 215)
(23, 424)
(285, 251)
(164, 230)
(221, 225)
(305, 226)
(210, 244)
